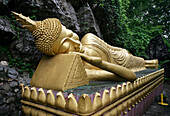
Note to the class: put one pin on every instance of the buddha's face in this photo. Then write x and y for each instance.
(68, 41)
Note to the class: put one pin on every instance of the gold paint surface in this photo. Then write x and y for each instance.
(60, 72)
(97, 110)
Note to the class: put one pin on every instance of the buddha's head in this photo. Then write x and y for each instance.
(51, 37)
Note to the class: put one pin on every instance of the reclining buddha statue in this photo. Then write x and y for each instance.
(69, 63)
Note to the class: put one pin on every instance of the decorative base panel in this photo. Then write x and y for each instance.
(109, 99)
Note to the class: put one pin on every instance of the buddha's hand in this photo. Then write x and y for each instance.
(89, 59)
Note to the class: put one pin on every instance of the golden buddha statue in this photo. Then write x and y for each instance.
(100, 60)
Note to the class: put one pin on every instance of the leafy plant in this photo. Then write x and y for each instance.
(18, 63)
(21, 65)
(3, 49)
(34, 11)
(123, 25)
(113, 22)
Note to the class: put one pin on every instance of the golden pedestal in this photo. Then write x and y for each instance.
(98, 98)
(60, 72)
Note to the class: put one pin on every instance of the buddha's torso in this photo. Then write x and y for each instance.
(96, 47)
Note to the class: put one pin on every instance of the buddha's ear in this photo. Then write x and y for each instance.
(64, 47)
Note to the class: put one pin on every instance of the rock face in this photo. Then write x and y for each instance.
(158, 50)
(87, 21)
(42, 9)
(61, 9)
(12, 73)
(25, 48)
(10, 92)
(4, 7)
(6, 32)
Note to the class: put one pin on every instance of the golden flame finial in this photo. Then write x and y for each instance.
(25, 21)
(45, 32)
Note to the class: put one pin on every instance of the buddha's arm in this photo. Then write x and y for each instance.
(102, 75)
(116, 69)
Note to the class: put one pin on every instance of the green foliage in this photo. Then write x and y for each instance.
(145, 20)
(21, 65)
(138, 38)
(18, 63)
(3, 50)
(14, 27)
(33, 16)
(166, 79)
(167, 43)
(163, 62)
(132, 23)
(114, 24)
(155, 12)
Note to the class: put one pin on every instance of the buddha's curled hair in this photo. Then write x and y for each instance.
(46, 32)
